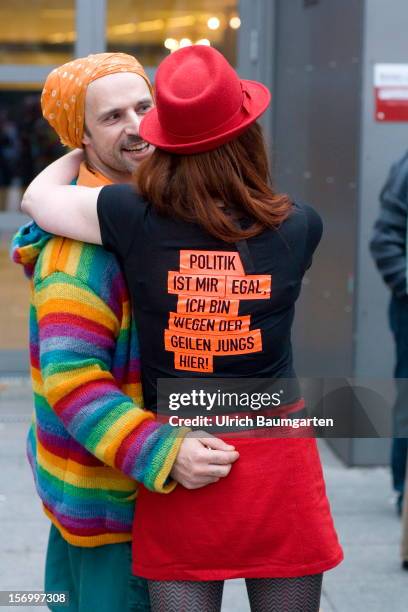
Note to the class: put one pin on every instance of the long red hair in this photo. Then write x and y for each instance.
(218, 188)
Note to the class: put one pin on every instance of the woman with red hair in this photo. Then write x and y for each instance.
(214, 260)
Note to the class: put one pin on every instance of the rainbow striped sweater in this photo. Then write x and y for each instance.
(90, 439)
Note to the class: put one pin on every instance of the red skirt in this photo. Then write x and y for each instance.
(269, 517)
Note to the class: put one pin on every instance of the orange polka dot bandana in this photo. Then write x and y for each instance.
(63, 96)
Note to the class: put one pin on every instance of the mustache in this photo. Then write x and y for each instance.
(130, 142)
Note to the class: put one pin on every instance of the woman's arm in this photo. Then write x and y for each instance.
(61, 208)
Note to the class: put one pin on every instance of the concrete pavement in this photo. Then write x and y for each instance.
(369, 579)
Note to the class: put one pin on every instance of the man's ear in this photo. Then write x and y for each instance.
(86, 137)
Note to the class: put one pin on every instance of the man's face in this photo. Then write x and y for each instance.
(114, 107)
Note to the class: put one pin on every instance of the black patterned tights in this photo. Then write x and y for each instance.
(300, 594)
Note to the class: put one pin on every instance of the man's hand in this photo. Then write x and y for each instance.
(202, 459)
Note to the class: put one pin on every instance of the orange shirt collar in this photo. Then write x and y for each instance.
(91, 178)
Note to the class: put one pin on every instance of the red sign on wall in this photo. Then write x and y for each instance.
(391, 92)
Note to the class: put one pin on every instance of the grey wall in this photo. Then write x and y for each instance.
(316, 143)
(385, 41)
(256, 46)
(330, 151)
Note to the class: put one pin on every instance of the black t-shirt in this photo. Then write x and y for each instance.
(205, 307)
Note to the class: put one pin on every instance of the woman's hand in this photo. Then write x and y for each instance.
(61, 208)
(202, 460)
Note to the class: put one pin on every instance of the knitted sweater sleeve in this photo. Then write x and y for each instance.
(77, 335)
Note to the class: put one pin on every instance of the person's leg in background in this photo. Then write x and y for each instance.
(301, 594)
(96, 578)
(398, 466)
(398, 317)
(404, 539)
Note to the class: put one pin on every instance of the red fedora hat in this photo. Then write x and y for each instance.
(201, 103)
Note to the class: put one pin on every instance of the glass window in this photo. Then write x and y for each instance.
(151, 29)
(14, 307)
(37, 31)
(27, 143)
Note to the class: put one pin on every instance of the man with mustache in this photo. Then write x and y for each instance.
(91, 439)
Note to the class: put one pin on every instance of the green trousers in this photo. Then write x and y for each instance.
(97, 579)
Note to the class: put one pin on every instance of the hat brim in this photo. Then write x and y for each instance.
(152, 132)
